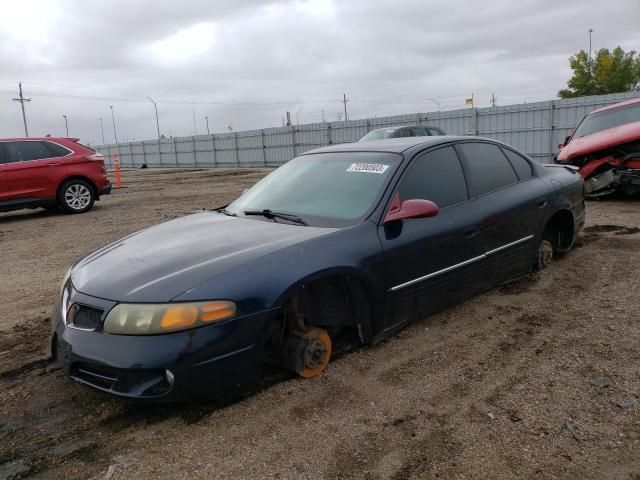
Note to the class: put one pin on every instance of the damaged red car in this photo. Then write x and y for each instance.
(605, 146)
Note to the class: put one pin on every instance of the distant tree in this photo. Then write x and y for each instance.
(609, 72)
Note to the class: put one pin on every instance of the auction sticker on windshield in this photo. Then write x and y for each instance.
(367, 168)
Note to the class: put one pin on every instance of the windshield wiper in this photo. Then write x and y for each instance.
(270, 214)
(226, 212)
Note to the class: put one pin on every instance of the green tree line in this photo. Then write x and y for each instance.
(609, 71)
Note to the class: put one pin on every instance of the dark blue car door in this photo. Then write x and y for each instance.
(431, 262)
(510, 203)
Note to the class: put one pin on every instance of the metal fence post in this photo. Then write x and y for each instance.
(264, 148)
(293, 140)
(329, 139)
(144, 154)
(133, 163)
(195, 154)
(213, 149)
(551, 125)
(235, 148)
(175, 150)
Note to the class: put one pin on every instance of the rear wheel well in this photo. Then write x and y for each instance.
(559, 230)
(77, 177)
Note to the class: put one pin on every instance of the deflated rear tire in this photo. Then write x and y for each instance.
(76, 196)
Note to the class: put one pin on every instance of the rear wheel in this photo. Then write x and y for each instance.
(76, 196)
(545, 253)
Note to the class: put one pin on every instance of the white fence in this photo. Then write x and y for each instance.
(534, 128)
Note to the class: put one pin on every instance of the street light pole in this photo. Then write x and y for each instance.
(102, 129)
(66, 124)
(113, 119)
(589, 69)
(206, 119)
(155, 106)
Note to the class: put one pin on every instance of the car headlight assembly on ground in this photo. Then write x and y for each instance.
(154, 319)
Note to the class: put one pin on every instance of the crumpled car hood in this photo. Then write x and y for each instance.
(602, 140)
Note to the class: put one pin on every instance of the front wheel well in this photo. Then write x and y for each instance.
(338, 304)
(559, 230)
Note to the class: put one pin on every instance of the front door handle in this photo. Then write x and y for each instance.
(54, 164)
(471, 232)
(542, 203)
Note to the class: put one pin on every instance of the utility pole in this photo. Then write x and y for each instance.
(102, 129)
(493, 99)
(589, 69)
(323, 119)
(289, 119)
(345, 100)
(113, 118)
(436, 102)
(21, 99)
(206, 119)
(66, 124)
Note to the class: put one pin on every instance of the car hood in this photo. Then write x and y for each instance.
(602, 140)
(160, 263)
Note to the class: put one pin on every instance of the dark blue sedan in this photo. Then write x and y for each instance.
(345, 243)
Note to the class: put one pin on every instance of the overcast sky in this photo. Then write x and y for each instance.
(244, 63)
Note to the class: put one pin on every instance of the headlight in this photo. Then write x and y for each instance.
(64, 280)
(152, 319)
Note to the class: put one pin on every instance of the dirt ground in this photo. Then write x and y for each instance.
(537, 379)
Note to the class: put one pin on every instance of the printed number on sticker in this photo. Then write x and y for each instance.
(367, 168)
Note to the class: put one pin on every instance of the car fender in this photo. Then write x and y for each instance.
(267, 282)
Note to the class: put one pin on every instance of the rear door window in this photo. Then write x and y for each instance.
(420, 132)
(26, 151)
(435, 131)
(488, 168)
(520, 164)
(405, 132)
(57, 150)
(437, 176)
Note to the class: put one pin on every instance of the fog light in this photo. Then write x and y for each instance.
(169, 376)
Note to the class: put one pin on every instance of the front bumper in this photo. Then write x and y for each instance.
(202, 363)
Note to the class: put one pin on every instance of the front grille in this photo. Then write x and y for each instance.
(85, 317)
(129, 382)
(100, 376)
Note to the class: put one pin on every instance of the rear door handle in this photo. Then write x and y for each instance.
(542, 204)
(54, 164)
(471, 232)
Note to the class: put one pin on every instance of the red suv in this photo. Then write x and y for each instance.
(50, 173)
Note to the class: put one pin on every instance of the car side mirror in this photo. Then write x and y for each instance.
(412, 208)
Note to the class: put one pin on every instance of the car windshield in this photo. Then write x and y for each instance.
(608, 119)
(378, 134)
(324, 189)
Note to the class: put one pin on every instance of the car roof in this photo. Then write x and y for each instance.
(616, 105)
(398, 127)
(25, 139)
(393, 145)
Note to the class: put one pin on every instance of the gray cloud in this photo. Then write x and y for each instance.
(297, 55)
